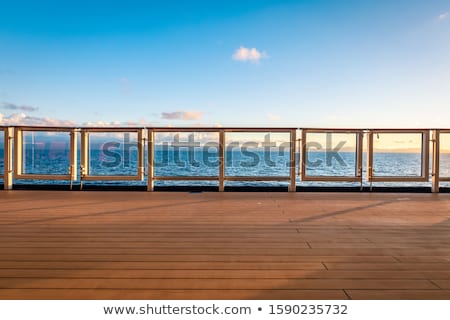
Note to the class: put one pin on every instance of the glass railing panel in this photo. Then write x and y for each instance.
(331, 155)
(398, 155)
(186, 154)
(399, 158)
(257, 154)
(113, 153)
(45, 153)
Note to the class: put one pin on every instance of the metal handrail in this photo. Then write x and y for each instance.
(13, 140)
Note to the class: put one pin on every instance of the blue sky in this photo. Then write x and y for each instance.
(299, 63)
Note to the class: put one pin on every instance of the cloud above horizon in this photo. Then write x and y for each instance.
(182, 115)
(21, 119)
(102, 124)
(443, 16)
(248, 54)
(12, 106)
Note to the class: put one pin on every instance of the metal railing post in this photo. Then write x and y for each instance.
(436, 159)
(370, 157)
(8, 153)
(18, 149)
(359, 158)
(141, 152)
(426, 155)
(303, 155)
(297, 159)
(73, 156)
(292, 164)
(150, 160)
(84, 156)
(221, 160)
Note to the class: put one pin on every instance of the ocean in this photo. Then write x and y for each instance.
(238, 162)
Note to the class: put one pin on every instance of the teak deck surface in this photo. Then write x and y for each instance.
(178, 245)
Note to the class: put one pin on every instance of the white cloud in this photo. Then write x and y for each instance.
(199, 137)
(273, 117)
(21, 119)
(12, 106)
(105, 124)
(102, 124)
(247, 54)
(140, 123)
(182, 115)
(443, 16)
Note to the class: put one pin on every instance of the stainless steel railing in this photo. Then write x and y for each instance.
(222, 177)
(428, 148)
(85, 172)
(358, 149)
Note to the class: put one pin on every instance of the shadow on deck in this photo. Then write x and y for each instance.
(178, 245)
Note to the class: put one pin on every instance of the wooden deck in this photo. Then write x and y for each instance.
(138, 245)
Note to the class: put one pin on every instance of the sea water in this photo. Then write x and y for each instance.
(205, 162)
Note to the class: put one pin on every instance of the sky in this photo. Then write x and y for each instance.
(304, 63)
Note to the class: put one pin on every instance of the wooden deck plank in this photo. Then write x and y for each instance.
(98, 294)
(215, 284)
(154, 249)
(443, 284)
(139, 245)
(399, 294)
(161, 246)
(388, 266)
(111, 254)
(176, 265)
(77, 273)
(426, 259)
